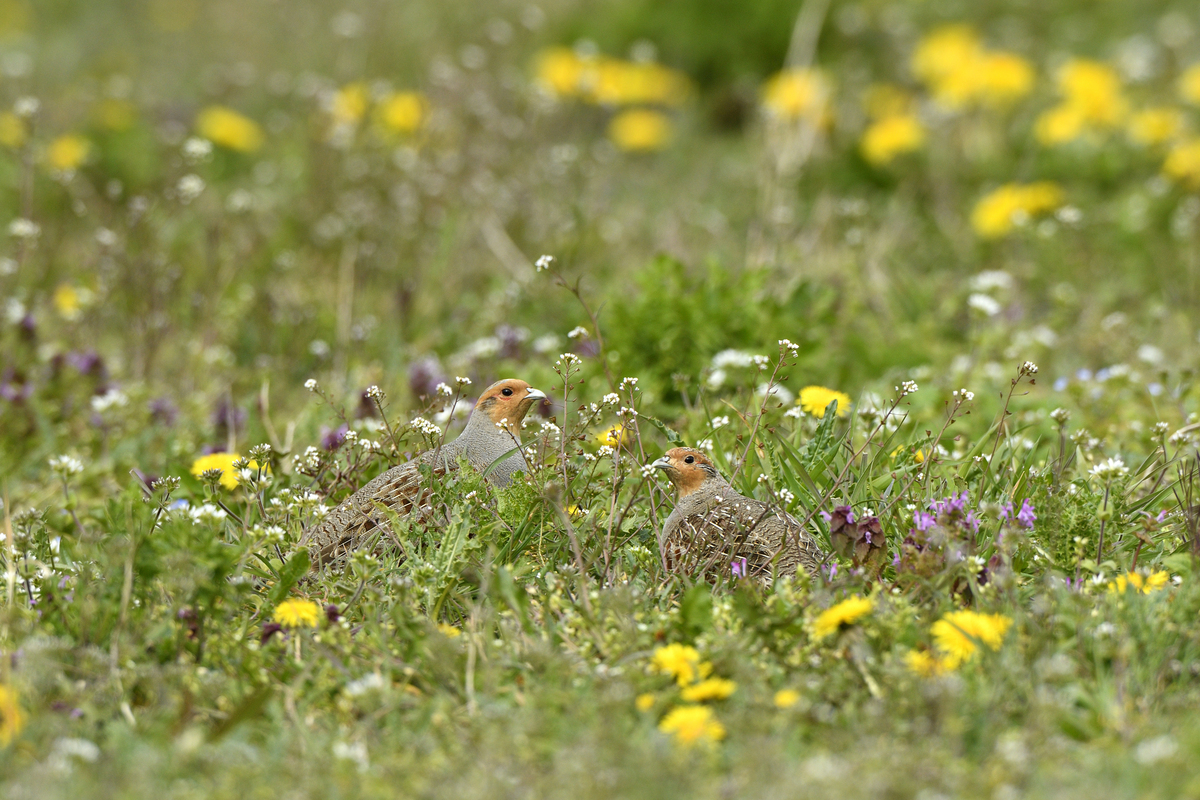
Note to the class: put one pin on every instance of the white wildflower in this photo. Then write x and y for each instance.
(544, 263)
(578, 332)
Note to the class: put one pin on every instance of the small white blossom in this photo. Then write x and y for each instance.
(578, 332)
(110, 399)
(544, 263)
(462, 382)
(1110, 469)
(21, 228)
(443, 390)
(311, 384)
(206, 512)
(964, 395)
(196, 149)
(907, 387)
(424, 426)
(26, 106)
(605, 451)
(628, 383)
(1029, 368)
(719, 422)
(1060, 415)
(189, 187)
(569, 359)
(66, 465)
(374, 393)
(761, 362)
(611, 399)
(367, 683)
(789, 345)
(705, 444)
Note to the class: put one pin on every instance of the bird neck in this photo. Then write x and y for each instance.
(480, 428)
(692, 484)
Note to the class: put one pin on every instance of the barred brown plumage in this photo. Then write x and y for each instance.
(713, 527)
(492, 430)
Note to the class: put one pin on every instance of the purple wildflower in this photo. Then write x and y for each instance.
(1026, 517)
(332, 439)
(739, 567)
(923, 520)
(269, 629)
(424, 375)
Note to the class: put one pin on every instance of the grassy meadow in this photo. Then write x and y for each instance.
(926, 275)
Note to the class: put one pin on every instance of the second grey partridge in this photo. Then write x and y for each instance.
(713, 527)
(492, 430)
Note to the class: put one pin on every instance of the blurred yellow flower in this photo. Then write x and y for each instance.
(691, 725)
(640, 130)
(710, 689)
(945, 51)
(1004, 78)
(786, 698)
(613, 436)
(1095, 89)
(12, 130)
(349, 104)
(959, 633)
(559, 71)
(1183, 162)
(67, 153)
(644, 702)
(890, 137)
(1155, 125)
(1058, 125)
(926, 664)
(611, 81)
(1140, 583)
(12, 718)
(227, 128)
(67, 301)
(221, 461)
(999, 211)
(815, 399)
(114, 114)
(797, 93)
(1189, 84)
(402, 112)
(846, 612)
(296, 613)
(677, 660)
(449, 631)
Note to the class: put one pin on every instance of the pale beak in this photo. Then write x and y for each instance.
(535, 394)
(662, 463)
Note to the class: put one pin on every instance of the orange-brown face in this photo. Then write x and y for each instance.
(510, 400)
(687, 468)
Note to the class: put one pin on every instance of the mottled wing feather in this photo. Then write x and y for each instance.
(709, 542)
(400, 490)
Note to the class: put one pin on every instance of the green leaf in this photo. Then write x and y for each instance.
(672, 437)
(695, 610)
(292, 571)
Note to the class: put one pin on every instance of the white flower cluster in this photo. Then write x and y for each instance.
(792, 348)
(907, 387)
(550, 429)
(196, 150)
(626, 411)
(964, 395)
(796, 412)
(189, 188)
(1028, 368)
(762, 362)
(421, 425)
(984, 303)
(648, 470)
(21, 228)
(628, 383)
(1060, 415)
(206, 513)
(462, 382)
(786, 497)
(443, 390)
(611, 399)
(544, 263)
(569, 359)
(1160, 428)
(605, 451)
(719, 422)
(311, 384)
(1110, 469)
(66, 465)
(705, 444)
(578, 332)
(375, 393)
(113, 398)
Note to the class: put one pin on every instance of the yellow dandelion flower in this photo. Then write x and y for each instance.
(1059, 125)
(959, 633)
(1094, 89)
(613, 436)
(349, 104)
(999, 212)
(640, 130)
(1189, 84)
(221, 461)
(227, 128)
(1183, 162)
(402, 112)
(926, 664)
(945, 51)
(677, 660)
(797, 93)
(816, 399)
(1003, 78)
(559, 71)
(846, 612)
(611, 81)
(1153, 126)
(644, 702)
(449, 631)
(12, 130)
(67, 301)
(297, 613)
(890, 137)
(786, 698)
(692, 725)
(710, 689)
(67, 153)
(12, 718)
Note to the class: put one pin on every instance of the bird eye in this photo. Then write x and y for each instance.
(506, 392)
(690, 460)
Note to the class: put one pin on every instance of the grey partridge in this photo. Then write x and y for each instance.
(493, 429)
(713, 527)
